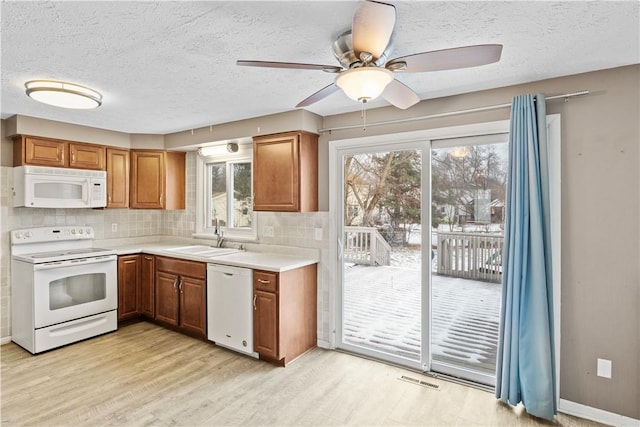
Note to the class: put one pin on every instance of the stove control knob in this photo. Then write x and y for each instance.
(73, 231)
(88, 231)
(28, 234)
(81, 231)
(17, 235)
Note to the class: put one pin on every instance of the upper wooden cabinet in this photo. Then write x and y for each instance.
(30, 150)
(285, 172)
(157, 179)
(117, 178)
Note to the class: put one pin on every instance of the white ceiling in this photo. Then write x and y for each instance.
(164, 67)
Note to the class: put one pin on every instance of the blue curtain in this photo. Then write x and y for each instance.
(526, 361)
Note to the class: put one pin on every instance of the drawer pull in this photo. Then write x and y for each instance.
(254, 302)
(264, 282)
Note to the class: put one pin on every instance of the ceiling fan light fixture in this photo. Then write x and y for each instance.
(63, 94)
(364, 84)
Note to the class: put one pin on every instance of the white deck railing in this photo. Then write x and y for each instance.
(470, 255)
(365, 245)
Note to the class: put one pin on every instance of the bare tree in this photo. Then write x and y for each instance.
(458, 179)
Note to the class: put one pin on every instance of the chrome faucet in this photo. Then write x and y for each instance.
(220, 240)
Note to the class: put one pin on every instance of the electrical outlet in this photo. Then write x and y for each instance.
(318, 233)
(604, 368)
(114, 228)
(267, 231)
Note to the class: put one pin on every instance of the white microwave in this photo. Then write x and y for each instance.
(45, 187)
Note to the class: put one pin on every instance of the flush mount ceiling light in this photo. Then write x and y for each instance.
(62, 94)
(364, 84)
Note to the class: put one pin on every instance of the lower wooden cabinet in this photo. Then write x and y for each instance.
(181, 294)
(167, 298)
(265, 324)
(146, 296)
(128, 285)
(136, 289)
(173, 292)
(285, 313)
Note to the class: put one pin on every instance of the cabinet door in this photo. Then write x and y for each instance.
(128, 282)
(146, 300)
(45, 152)
(147, 180)
(86, 156)
(166, 296)
(265, 324)
(117, 178)
(175, 184)
(193, 305)
(276, 173)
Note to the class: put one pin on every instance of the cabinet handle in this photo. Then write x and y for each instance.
(264, 282)
(161, 197)
(175, 284)
(61, 155)
(109, 198)
(254, 302)
(73, 157)
(148, 258)
(180, 286)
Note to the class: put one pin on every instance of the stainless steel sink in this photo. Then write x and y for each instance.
(202, 250)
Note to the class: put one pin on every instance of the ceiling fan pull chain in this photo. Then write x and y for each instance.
(363, 114)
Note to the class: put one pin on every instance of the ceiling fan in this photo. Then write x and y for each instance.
(365, 73)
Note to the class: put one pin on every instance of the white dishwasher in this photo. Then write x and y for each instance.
(230, 307)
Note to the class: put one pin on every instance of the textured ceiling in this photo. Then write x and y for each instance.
(169, 66)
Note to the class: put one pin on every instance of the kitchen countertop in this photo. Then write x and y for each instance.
(257, 260)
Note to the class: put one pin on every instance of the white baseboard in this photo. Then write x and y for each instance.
(324, 344)
(5, 340)
(594, 414)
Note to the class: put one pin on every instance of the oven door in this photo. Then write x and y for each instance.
(67, 290)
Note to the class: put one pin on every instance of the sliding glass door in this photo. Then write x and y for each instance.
(468, 188)
(419, 235)
(381, 242)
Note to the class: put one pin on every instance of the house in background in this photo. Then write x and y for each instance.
(600, 137)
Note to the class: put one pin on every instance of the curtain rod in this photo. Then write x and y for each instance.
(565, 96)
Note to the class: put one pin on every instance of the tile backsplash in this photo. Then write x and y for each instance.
(290, 229)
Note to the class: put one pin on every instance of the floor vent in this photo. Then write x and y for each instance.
(420, 383)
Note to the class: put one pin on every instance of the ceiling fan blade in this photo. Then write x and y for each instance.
(295, 65)
(318, 96)
(372, 27)
(400, 95)
(447, 59)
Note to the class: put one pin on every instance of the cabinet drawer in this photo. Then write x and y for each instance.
(265, 281)
(181, 267)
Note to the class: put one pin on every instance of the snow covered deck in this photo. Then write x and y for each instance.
(382, 311)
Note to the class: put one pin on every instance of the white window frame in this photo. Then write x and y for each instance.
(203, 230)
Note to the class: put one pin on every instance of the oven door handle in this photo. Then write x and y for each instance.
(74, 262)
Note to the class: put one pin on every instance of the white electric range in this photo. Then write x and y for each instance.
(63, 289)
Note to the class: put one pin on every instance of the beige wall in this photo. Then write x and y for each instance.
(274, 123)
(600, 216)
(53, 129)
(600, 219)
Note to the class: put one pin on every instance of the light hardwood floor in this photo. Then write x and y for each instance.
(146, 375)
